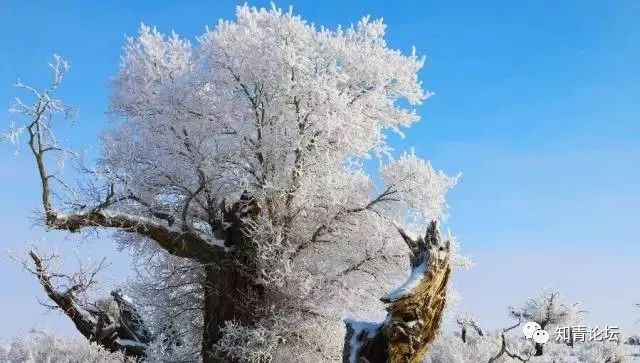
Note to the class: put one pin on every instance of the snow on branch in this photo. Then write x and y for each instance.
(252, 169)
(42, 346)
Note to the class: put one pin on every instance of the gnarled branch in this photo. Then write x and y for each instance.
(116, 328)
(189, 244)
(504, 349)
(41, 139)
(415, 309)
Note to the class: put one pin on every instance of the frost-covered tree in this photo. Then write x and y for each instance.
(237, 170)
(43, 347)
(550, 311)
(474, 344)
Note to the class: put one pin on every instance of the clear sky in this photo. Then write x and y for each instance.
(537, 104)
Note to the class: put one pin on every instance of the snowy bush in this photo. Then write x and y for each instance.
(41, 347)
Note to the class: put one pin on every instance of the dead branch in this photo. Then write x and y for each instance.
(116, 325)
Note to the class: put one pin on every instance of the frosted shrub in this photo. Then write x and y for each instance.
(40, 347)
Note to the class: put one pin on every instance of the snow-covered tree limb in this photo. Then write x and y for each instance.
(504, 348)
(187, 244)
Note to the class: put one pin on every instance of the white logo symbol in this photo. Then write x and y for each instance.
(530, 328)
(541, 336)
(533, 330)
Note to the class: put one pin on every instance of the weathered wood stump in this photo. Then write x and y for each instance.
(414, 312)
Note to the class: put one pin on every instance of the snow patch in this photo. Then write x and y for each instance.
(358, 327)
(130, 343)
(414, 280)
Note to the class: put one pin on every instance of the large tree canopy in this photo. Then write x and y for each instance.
(239, 170)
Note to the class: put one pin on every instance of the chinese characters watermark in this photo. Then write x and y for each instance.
(582, 333)
(572, 334)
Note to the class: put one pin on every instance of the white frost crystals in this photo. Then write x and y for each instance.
(278, 114)
(41, 346)
(420, 187)
(292, 128)
(417, 274)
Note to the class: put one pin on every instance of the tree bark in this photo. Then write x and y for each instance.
(227, 291)
(230, 290)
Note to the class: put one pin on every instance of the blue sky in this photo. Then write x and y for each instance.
(536, 104)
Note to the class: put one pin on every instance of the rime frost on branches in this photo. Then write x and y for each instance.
(234, 172)
(420, 188)
(45, 347)
(550, 310)
(205, 121)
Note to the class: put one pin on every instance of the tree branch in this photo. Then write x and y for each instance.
(122, 329)
(188, 244)
(385, 196)
(84, 322)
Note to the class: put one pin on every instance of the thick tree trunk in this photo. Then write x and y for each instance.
(229, 286)
(230, 291)
(227, 293)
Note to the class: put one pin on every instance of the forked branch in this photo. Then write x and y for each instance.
(113, 323)
(42, 142)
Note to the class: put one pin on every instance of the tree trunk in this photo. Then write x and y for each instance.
(229, 291)
(539, 350)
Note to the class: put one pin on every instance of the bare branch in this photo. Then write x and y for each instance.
(66, 301)
(187, 244)
(116, 326)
